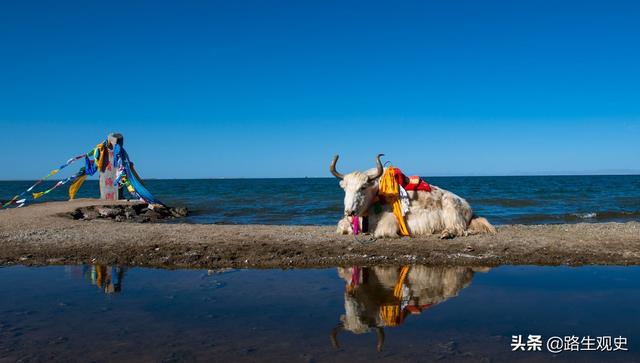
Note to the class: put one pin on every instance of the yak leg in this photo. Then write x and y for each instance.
(344, 226)
(453, 217)
(386, 225)
(480, 225)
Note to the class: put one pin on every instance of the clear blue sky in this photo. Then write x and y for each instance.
(276, 88)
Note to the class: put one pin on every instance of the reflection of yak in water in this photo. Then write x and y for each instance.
(378, 297)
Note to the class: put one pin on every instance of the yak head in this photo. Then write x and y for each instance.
(360, 188)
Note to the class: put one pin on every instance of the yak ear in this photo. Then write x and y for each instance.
(341, 184)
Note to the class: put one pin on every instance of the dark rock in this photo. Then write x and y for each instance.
(179, 212)
(160, 211)
(152, 215)
(140, 213)
(108, 212)
(139, 208)
(76, 214)
(130, 212)
(89, 214)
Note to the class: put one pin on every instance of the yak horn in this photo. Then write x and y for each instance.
(379, 167)
(380, 334)
(334, 335)
(332, 168)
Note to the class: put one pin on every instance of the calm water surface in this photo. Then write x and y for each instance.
(110, 313)
(527, 199)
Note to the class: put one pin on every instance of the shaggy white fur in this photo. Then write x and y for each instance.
(437, 211)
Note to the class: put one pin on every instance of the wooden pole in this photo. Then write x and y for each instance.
(108, 172)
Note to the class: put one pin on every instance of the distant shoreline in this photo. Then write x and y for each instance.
(329, 177)
(38, 235)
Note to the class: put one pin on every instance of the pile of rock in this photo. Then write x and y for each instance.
(139, 213)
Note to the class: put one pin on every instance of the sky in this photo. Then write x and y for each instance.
(210, 89)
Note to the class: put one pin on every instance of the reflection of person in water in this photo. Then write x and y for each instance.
(378, 297)
(107, 278)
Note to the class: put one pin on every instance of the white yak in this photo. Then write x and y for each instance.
(430, 212)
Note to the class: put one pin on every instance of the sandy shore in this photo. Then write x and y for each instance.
(37, 234)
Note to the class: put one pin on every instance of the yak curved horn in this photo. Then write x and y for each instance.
(334, 335)
(380, 334)
(332, 168)
(379, 167)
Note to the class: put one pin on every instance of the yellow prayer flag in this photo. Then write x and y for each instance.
(73, 188)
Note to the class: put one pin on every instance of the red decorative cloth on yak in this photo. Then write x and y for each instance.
(411, 183)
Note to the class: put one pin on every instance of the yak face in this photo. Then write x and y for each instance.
(359, 193)
(359, 188)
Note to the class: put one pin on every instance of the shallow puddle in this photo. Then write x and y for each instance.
(413, 313)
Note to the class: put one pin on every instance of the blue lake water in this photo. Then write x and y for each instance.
(318, 201)
(109, 313)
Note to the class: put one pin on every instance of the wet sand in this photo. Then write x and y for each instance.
(38, 234)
